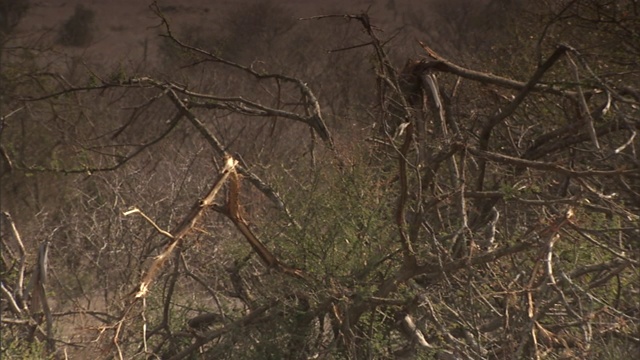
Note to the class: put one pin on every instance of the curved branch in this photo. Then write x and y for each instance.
(314, 120)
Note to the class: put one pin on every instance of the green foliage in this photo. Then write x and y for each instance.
(344, 229)
(19, 349)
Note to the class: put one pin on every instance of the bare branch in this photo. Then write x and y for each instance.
(505, 159)
(586, 113)
(445, 65)
(188, 222)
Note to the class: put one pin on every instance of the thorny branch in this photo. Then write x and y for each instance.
(445, 253)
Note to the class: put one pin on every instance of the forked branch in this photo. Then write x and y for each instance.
(185, 226)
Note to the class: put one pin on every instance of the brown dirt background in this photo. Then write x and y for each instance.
(122, 27)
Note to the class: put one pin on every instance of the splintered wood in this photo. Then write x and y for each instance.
(232, 211)
(186, 225)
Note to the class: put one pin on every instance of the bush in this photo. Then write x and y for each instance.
(78, 29)
(11, 12)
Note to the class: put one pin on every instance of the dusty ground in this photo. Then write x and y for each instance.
(124, 27)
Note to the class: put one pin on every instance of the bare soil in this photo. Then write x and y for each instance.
(125, 30)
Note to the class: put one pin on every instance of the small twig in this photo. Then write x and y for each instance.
(144, 325)
(19, 290)
(5, 117)
(11, 299)
(138, 211)
(586, 113)
(627, 143)
(349, 47)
